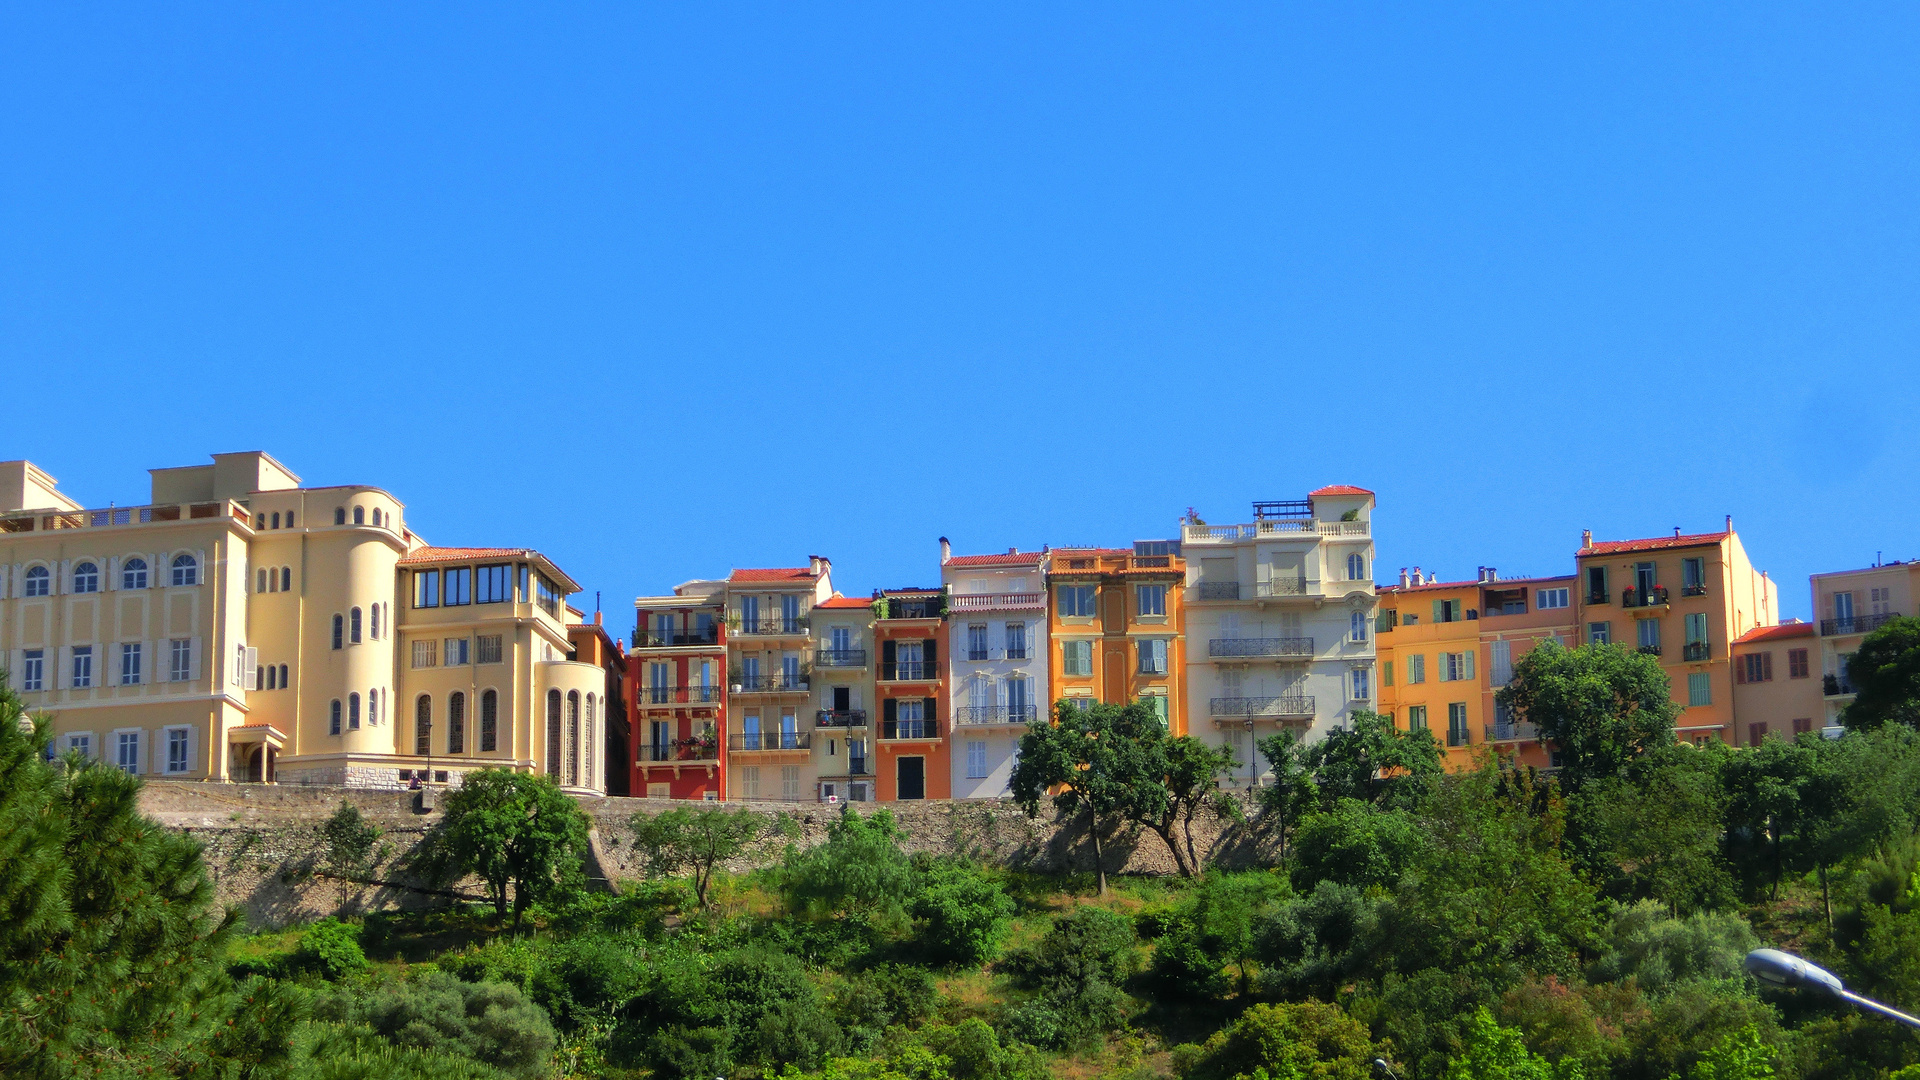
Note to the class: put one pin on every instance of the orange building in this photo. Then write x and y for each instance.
(677, 693)
(911, 754)
(1427, 646)
(1776, 690)
(1118, 627)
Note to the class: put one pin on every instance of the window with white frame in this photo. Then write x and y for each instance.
(333, 717)
(33, 669)
(86, 578)
(353, 626)
(178, 740)
(1016, 641)
(133, 574)
(1153, 656)
(39, 581)
(82, 670)
(129, 663)
(126, 752)
(488, 648)
(976, 641)
(1599, 633)
(1547, 599)
(1416, 669)
(186, 570)
(1356, 567)
(1076, 657)
(1151, 599)
(1076, 601)
(1357, 624)
(976, 759)
(180, 659)
(1362, 682)
(425, 653)
(80, 742)
(456, 654)
(1456, 666)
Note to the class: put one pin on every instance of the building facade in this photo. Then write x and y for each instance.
(1279, 613)
(1776, 684)
(769, 669)
(1116, 621)
(844, 715)
(1847, 606)
(677, 692)
(589, 643)
(911, 746)
(997, 674)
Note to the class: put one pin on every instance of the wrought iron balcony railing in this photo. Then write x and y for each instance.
(1631, 597)
(1695, 650)
(1857, 624)
(1219, 590)
(782, 626)
(663, 639)
(910, 729)
(770, 684)
(1280, 587)
(1649, 650)
(678, 695)
(770, 740)
(841, 718)
(995, 714)
(692, 751)
(1259, 707)
(909, 671)
(1262, 646)
(1693, 590)
(840, 658)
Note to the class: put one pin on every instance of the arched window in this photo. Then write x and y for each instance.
(263, 677)
(283, 676)
(339, 515)
(573, 737)
(185, 570)
(1358, 630)
(586, 749)
(353, 626)
(259, 521)
(489, 722)
(375, 629)
(259, 581)
(37, 581)
(133, 574)
(338, 623)
(553, 733)
(286, 579)
(1356, 567)
(359, 515)
(333, 718)
(423, 725)
(289, 519)
(353, 712)
(276, 519)
(376, 706)
(457, 723)
(86, 578)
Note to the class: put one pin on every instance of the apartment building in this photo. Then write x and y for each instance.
(769, 668)
(997, 671)
(1685, 599)
(1285, 607)
(910, 752)
(1848, 605)
(843, 729)
(1775, 688)
(1117, 622)
(588, 642)
(677, 692)
(241, 627)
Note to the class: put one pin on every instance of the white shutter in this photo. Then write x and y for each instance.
(248, 674)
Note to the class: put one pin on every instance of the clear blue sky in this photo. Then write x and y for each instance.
(666, 290)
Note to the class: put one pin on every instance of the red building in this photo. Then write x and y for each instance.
(677, 692)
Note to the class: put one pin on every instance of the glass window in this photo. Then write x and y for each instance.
(375, 619)
(1546, 599)
(186, 571)
(86, 578)
(1356, 567)
(1649, 631)
(977, 641)
(180, 659)
(1362, 685)
(457, 723)
(133, 574)
(1699, 689)
(177, 749)
(338, 625)
(1457, 734)
(1416, 669)
(286, 579)
(1598, 633)
(1357, 626)
(130, 663)
(1696, 629)
(489, 720)
(549, 596)
(456, 654)
(353, 712)
(1016, 641)
(1153, 656)
(423, 725)
(1077, 657)
(976, 759)
(426, 588)
(359, 515)
(353, 626)
(339, 515)
(33, 670)
(82, 667)
(493, 584)
(1152, 599)
(1693, 573)
(488, 648)
(126, 752)
(423, 654)
(1076, 601)
(38, 581)
(1416, 718)
(458, 589)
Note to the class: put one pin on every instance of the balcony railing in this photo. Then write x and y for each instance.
(770, 684)
(1631, 597)
(664, 639)
(658, 752)
(1280, 587)
(841, 718)
(982, 655)
(123, 515)
(1597, 597)
(1219, 590)
(1693, 590)
(1257, 707)
(1016, 601)
(770, 740)
(1695, 650)
(1857, 624)
(909, 671)
(775, 626)
(1204, 534)
(1835, 685)
(679, 695)
(995, 714)
(840, 658)
(909, 729)
(1649, 650)
(1457, 737)
(1260, 646)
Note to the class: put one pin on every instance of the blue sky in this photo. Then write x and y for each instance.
(664, 290)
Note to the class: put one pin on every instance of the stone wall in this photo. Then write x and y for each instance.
(263, 842)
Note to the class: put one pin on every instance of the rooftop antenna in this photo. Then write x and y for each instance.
(596, 605)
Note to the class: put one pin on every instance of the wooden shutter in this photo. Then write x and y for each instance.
(1469, 659)
(1740, 672)
(929, 658)
(1436, 611)
(929, 713)
(1766, 667)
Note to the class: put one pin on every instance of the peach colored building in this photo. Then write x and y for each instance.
(1776, 685)
(1847, 606)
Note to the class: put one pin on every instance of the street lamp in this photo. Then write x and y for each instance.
(1789, 972)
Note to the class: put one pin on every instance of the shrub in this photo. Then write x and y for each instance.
(1306, 1041)
(974, 1052)
(961, 913)
(330, 949)
(1492, 1052)
(1645, 943)
(489, 1022)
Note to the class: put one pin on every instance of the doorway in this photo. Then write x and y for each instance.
(912, 778)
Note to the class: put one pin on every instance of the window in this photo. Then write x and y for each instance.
(186, 571)
(130, 663)
(1802, 725)
(1416, 718)
(353, 626)
(1158, 703)
(1386, 673)
(1599, 633)
(177, 740)
(456, 653)
(283, 677)
(1356, 567)
(1796, 663)
(1456, 666)
(1153, 656)
(260, 521)
(260, 581)
(1016, 641)
(82, 667)
(86, 578)
(493, 584)
(33, 671)
(1502, 663)
(359, 515)
(1596, 584)
(1152, 599)
(1699, 689)
(1446, 611)
(179, 660)
(1693, 576)
(286, 579)
(423, 654)
(1416, 669)
(338, 624)
(976, 759)
(38, 581)
(423, 725)
(1076, 601)
(1756, 732)
(1357, 626)
(1754, 667)
(353, 712)
(1362, 684)
(459, 587)
(1649, 631)
(426, 588)
(489, 721)
(126, 752)
(750, 782)
(977, 641)
(547, 595)
(1076, 657)
(1547, 599)
(133, 574)
(488, 647)
(1457, 734)
(276, 519)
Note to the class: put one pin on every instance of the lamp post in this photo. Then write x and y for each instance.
(1789, 972)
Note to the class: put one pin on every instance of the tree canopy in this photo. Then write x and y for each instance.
(698, 840)
(1885, 673)
(1602, 706)
(514, 831)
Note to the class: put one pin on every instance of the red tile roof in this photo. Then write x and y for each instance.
(844, 603)
(784, 573)
(1656, 543)
(1775, 633)
(1017, 558)
(1339, 489)
(455, 554)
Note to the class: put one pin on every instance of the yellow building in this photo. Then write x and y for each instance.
(1428, 650)
(241, 627)
(1118, 627)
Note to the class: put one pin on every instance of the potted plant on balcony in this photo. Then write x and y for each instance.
(880, 607)
(737, 677)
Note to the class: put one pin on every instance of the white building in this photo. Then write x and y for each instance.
(1279, 621)
(1847, 606)
(997, 616)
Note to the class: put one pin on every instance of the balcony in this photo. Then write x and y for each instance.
(1221, 534)
(1696, 650)
(841, 718)
(769, 684)
(980, 656)
(909, 729)
(1219, 590)
(1594, 598)
(1300, 647)
(1693, 590)
(678, 695)
(995, 714)
(1835, 686)
(1648, 650)
(909, 671)
(1856, 624)
(1280, 587)
(684, 750)
(124, 515)
(667, 639)
(752, 741)
(1015, 601)
(840, 658)
(1633, 598)
(1261, 707)
(795, 627)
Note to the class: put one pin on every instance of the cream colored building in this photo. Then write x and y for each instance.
(241, 627)
(770, 641)
(1847, 606)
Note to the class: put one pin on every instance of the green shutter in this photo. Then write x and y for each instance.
(1386, 673)
(1469, 655)
(1437, 612)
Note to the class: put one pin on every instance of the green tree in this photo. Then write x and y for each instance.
(489, 1022)
(699, 840)
(514, 831)
(1885, 673)
(1374, 762)
(1602, 706)
(1355, 844)
(1292, 794)
(1077, 967)
(1492, 1052)
(330, 949)
(1643, 942)
(859, 873)
(1305, 1041)
(962, 913)
(348, 840)
(1658, 836)
(1217, 927)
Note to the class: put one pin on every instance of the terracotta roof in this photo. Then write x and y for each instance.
(1775, 633)
(1656, 543)
(1339, 489)
(455, 554)
(784, 573)
(1016, 558)
(844, 603)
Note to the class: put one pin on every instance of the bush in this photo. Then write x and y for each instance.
(488, 1022)
(1077, 969)
(1643, 942)
(330, 949)
(1305, 1041)
(961, 913)
(1355, 844)
(1492, 1052)
(974, 1052)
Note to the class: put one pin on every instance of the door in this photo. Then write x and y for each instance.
(842, 699)
(750, 731)
(789, 614)
(842, 644)
(912, 778)
(789, 732)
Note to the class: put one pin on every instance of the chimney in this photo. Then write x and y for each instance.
(1729, 522)
(1403, 577)
(946, 551)
(597, 621)
(1676, 532)
(1482, 572)
(816, 564)
(1493, 574)
(1586, 537)
(1014, 550)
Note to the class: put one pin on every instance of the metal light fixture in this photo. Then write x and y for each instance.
(1785, 970)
